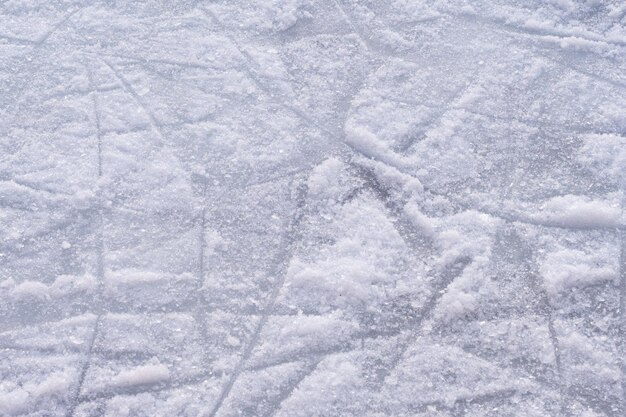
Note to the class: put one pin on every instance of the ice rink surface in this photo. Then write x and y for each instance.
(285, 208)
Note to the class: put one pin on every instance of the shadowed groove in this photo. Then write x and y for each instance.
(445, 278)
(286, 392)
(289, 239)
(97, 305)
(622, 312)
(154, 123)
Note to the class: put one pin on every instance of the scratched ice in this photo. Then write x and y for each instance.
(284, 208)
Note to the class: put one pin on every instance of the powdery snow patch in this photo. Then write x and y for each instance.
(188, 400)
(14, 402)
(69, 284)
(328, 180)
(368, 144)
(455, 304)
(214, 242)
(422, 222)
(63, 285)
(605, 153)
(31, 289)
(579, 212)
(350, 272)
(588, 359)
(469, 233)
(465, 293)
(393, 178)
(19, 399)
(150, 373)
(288, 336)
(568, 268)
(138, 277)
(344, 282)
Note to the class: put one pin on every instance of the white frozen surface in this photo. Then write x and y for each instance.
(313, 208)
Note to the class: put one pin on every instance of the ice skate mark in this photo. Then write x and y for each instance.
(90, 345)
(98, 301)
(111, 355)
(459, 409)
(162, 61)
(43, 351)
(94, 409)
(364, 40)
(537, 33)
(287, 391)
(441, 113)
(276, 178)
(619, 15)
(349, 345)
(295, 358)
(529, 257)
(594, 76)
(210, 83)
(18, 93)
(126, 130)
(519, 217)
(33, 196)
(163, 214)
(97, 118)
(375, 48)
(456, 405)
(279, 100)
(622, 311)
(352, 195)
(20, 205)
(201, 241)
(352, 344)
(100, 409)
(40, 188)
(596, 399)
(180, 383)
(567, 44)
(172, 307)
(405, 228)
(436, 120)
(270, 179)
(75, 401)
(548, 384)
(279, 269)
(42, 39)
(154, 123)
(445, 278)
(554, 341)
(150, 65)
(15, 40)
(201, 307)
(559, 128)
(461, 403)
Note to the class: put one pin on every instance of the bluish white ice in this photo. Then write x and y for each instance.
(286, 208)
